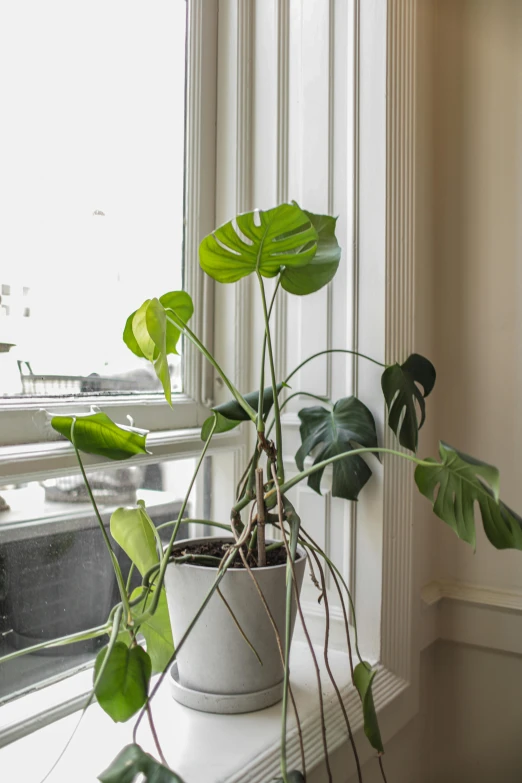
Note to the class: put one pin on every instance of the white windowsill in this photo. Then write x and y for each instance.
(201, 747)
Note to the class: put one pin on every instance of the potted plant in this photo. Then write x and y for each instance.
(233, 600)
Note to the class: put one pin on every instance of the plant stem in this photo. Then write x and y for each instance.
(102, 630)
(277, 414)
(261, 518)
(179, 324)
(168, 550)
(188, 521)
(116, 566)
(320, 465)
(332, 350)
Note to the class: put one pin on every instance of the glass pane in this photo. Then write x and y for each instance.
(55, 574)
(91, 188)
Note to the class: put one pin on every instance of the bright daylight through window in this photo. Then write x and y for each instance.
(91, 188)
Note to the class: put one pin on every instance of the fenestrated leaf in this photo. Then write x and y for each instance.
(399, 386)
(456, 484)
(259, 241)
(231, 414)
(97, 434)
(339, 430)
(132, 761)
(133, 530)
(149, 334)
(157, 630)
(323, 266)
(124, 684)
(363, 678)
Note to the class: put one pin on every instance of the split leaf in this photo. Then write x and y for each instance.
(402, 395)
(323, 266)
(260, 241)
(338, 430)
(458, 482)
(132, 763)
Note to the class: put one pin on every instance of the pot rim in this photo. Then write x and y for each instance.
(302, 552)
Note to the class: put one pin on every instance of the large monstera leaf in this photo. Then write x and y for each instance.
(323, 266)
(338, 430)
(133, 763)
(458, 483)
(402, 394)
(259, 241)
(151, 335)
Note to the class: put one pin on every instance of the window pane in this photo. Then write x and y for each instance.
(91, 188)
(55, 574)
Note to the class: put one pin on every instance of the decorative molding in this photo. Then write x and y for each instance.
(472, 614)
(400, 238)
(477, 595)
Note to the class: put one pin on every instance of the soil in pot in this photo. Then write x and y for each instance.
(219, 549)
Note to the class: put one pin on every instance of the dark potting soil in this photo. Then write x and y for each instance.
(219, 548)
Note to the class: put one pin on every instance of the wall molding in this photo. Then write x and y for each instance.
(463, 613)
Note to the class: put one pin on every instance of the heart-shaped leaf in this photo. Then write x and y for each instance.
(230, 414)
(151, 335)
(458, 482)
(259, 241)
(157, 630)
(323, 266)
(134, 531)
(399, 386)
(132, 762)
(124, 684)
(337, 431)
(97, 434)
(363, 678)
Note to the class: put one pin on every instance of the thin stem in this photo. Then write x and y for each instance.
(189, 521)
(382, 767)
(277, 414)
(238, 626)
(114, 560)
(290, 397)
(320, 465)
(168, 550)
(81, 636)
(261, 518)
(333, 350)
(179, 324)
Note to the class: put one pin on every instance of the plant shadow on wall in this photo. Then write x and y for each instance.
(248, 583)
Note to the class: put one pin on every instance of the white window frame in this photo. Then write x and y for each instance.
(379, 251)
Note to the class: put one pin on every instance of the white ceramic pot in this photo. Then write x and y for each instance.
(216, 671)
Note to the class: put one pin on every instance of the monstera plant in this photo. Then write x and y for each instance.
(300, 251)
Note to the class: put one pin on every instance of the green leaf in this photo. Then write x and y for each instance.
(124, 684)
(150, 335)
(363, 678)
(259, 241)
(97, 434)
(456, 484)
(323, 266)
(157, 630)
(230, 414)
(399, 386)
(133, 761)
(293, 777)
(133, 530)
(346, 426)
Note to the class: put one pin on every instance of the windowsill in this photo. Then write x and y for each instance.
(200, 747)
